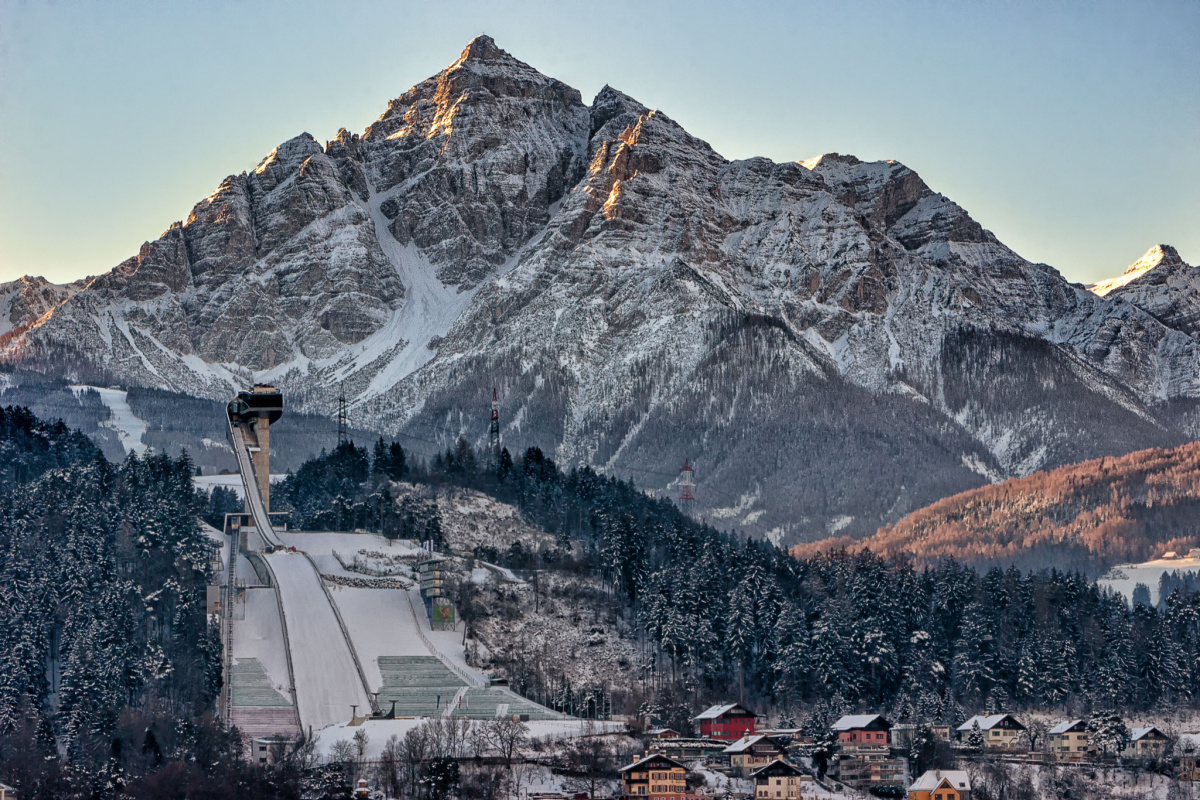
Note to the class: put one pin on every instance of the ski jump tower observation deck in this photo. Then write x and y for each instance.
(252, 412)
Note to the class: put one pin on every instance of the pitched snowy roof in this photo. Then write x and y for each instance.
(1140, 733)
(1064, 727)
(932, 779)
(852, 722)
(651, 757)
(745, 743)
(777, 764)
(721, 709)
(987, 722)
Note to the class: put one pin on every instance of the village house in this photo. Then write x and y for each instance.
(728, 721)
(779, 780)
(751, 752)
(862, 730)
(941, 784)
(1146, 743)
(1000, 731)
(654, 777)
(7, 792)
(794, 734)
(1187, 749)
(662, 733)
(869, 768)
(1068, 741)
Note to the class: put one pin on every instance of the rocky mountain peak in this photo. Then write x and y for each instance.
(1153, 266)
(482, 48)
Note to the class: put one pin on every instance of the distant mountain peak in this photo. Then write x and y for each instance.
(482, 48)
(1163, 255)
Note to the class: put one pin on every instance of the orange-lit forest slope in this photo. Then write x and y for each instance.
(1087, 515)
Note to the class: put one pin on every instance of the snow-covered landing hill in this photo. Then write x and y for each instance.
(831, 342)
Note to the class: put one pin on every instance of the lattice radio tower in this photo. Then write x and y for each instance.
(494, 431)
(342, 420)
(686, 484)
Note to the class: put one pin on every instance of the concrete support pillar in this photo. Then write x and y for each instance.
(262, 459)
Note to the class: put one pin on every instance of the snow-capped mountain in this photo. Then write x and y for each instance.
(1163, 285)
(831, 342)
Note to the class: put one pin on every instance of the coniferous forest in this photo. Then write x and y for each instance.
(110, 671)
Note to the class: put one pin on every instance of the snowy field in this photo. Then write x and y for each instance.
(1124, 577)
(129, 427)
(327, 682)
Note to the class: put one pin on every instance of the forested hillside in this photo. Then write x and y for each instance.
(1088, 515)
(805, 637)
(108, 668)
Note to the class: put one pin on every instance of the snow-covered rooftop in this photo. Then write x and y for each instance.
(987, 722)
(933, 778)
(721, 709)
(1141, 733)
(852, 722)
(1063, 727)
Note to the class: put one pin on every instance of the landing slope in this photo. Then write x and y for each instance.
(1089, 515)
(327, 681)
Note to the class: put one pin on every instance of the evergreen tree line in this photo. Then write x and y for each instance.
(718, 615)
(108, 665)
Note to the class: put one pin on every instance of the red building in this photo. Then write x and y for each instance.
(728, 721)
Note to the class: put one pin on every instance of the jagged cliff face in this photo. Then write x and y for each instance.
(832, 342)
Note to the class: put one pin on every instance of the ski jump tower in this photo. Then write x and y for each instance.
(254, 411)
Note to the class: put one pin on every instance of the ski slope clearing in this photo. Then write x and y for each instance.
(327, 681)
(129, 427)
(380, 624)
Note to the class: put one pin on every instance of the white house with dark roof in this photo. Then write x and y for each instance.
(999, 730)
(1068, 740)
(1147, 742)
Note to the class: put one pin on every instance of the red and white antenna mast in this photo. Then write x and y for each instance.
(686, 484)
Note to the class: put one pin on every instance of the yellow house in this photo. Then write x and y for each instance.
(654, 777)
(941, 784)
(1068, 741)
(779, 780)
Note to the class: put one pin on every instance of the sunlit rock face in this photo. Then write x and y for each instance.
(1162, 284)
(831, 342)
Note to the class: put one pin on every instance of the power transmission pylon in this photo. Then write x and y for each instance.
(686, 484)
(342, 420)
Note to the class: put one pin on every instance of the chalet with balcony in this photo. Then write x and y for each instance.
(654, 777)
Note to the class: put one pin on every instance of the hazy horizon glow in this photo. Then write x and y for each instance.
(1072, 131)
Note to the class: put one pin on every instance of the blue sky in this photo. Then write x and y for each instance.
(1071, 130)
